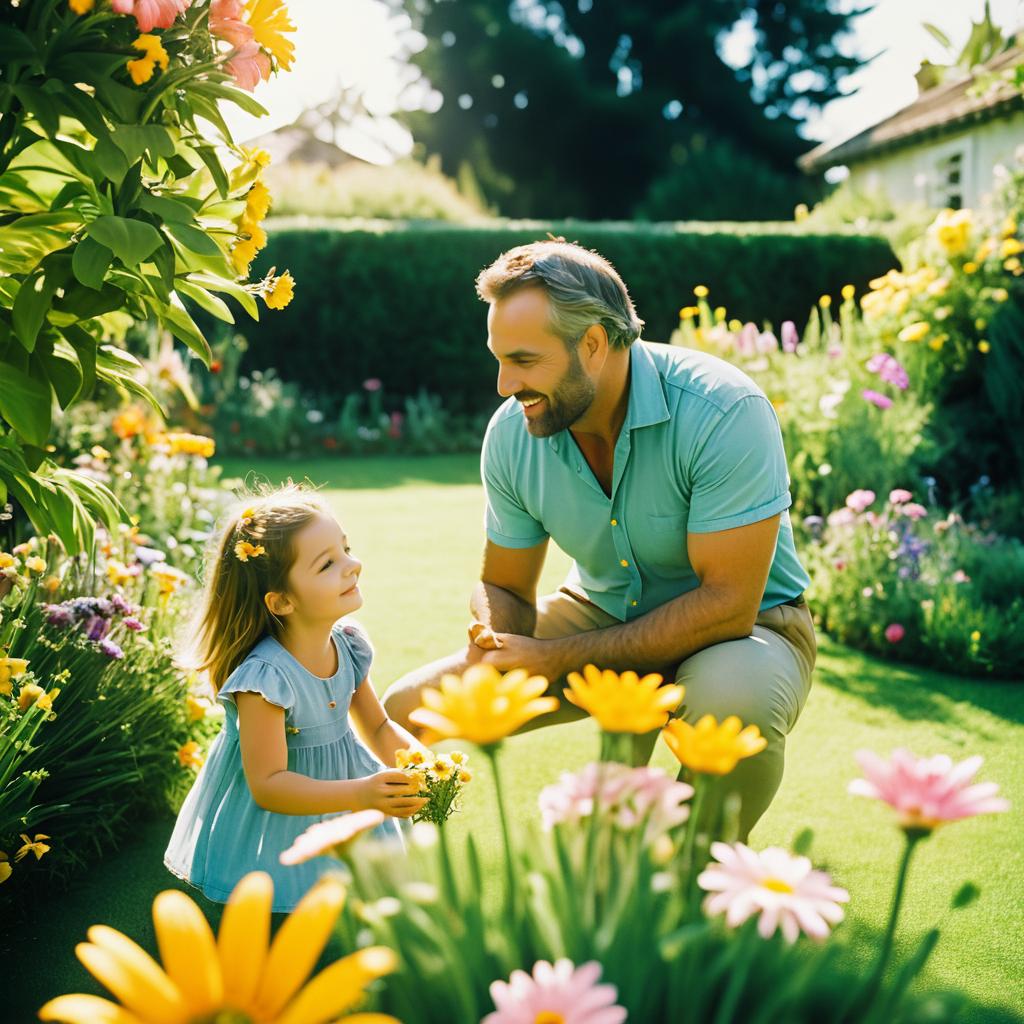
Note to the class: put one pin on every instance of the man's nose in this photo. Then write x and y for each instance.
(508, 382)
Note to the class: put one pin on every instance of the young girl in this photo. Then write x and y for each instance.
(290, 676)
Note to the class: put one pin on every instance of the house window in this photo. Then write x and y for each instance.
(949, 181)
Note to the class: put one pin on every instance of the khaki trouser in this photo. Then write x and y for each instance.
(764, 679)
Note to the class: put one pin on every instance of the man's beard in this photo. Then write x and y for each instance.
(571, 398)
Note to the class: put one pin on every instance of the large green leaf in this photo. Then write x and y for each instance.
(40, 105)
(130, 240)
(219, 284)
(32, 303)
(134, 139)
(59, 365)
(221, 91)
(25, 241)
(109, 160)
(213, 305)
(194, 239)
(209, 157)
(83, 344)
(26, 403)
(177, 320)
(16, 46)
(90, 261)
(177, 209)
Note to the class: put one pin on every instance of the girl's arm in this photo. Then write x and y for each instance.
(275, 788)
(382, 735)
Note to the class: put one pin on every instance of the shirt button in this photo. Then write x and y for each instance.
(624, 564)
(615, 522)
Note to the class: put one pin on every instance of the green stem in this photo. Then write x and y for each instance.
(512, 898)
(875, 981)
(700, 786)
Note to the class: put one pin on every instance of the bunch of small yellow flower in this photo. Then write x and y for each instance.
(441, 780)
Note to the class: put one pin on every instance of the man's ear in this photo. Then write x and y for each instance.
(594, 346)
(277, 604)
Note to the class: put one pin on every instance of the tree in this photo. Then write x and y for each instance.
(577, 112)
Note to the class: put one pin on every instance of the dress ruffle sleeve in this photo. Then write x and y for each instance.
(359, 647)
(256, 676)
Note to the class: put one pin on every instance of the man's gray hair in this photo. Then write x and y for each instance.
(583, 289)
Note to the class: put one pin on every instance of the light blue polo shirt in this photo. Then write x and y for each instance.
(700, 451)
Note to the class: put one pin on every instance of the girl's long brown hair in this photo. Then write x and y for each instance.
(233, 616)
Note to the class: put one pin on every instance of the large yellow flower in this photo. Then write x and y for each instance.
(281, 292)
(710, 748)
(952, 230)
(11, 668)
(623, 703)
(482, 705)
(269, 21)
(142, 69)
(236, 976)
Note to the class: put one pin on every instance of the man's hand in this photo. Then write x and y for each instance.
(508, 651)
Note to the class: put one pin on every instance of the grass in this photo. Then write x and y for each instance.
(416, 523)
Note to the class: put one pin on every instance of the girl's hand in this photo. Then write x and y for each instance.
(390, 791)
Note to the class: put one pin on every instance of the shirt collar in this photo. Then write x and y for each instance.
(647, 404)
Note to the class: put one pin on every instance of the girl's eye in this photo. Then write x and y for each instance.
(327, 564)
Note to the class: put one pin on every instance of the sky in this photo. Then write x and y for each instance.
(357, 43)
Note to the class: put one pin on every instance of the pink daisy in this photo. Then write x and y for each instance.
(783, 888)
(899, 496)
(926, 792)
(860, 499)
(559, 992)
(332, 837)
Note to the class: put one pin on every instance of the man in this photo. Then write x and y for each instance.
(661, 472)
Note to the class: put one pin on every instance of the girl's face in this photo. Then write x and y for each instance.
(323, 582)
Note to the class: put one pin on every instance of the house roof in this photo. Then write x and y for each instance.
(938, 111)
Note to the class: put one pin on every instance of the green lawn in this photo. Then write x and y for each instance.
(416, 523)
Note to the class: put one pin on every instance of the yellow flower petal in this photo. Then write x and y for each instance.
(298, 944)
(340, 986)
(710, 748)
(83, 1009)
(131, 975)
(244, 937)
(269, 21)
(188, 950)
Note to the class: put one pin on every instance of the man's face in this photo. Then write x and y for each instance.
(534, 365)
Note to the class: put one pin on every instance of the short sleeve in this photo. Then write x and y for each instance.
(257, 676)
(740, 475)
(506, 522)
(360, 650)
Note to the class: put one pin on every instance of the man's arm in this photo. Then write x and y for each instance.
(505, 599)
(732, 566)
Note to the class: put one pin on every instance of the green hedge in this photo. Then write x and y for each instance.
(396, 301)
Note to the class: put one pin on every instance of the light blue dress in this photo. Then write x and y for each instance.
(221, 834)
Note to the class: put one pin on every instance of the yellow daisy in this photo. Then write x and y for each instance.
(711, 748)
(623, 703)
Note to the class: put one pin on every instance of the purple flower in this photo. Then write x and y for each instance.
(110, 649)
(58, 615)
(814, 524)
(97, 627)
(132, 623)
(121, 605)
(790, 338)
(889, 369)
(882, 401)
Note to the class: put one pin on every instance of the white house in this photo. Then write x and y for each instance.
(941, 149)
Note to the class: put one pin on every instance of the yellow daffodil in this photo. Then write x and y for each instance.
(244, 550)
(915, 331)
(36, 846)
(952, 230)
(11, 668)
(623, 703)
(482, 705)
(242, 254)
(239, 975)
(281, 292)
(169, 578)
(35, 564)
(5, 867)
(189, 756)
(81, 6)
(710, 748)
(182, 443)
(32, 695)
(257, 202)
(250, 227)
(269, 21)
(154, 53)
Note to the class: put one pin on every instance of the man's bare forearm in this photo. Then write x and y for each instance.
(503, 611)
(664, 636)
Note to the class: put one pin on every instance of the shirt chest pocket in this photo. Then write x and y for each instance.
(663, 541)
